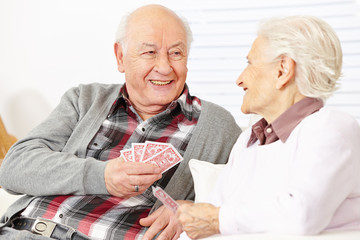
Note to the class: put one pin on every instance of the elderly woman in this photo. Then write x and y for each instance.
(297, 170)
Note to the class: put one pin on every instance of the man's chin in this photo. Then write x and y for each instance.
(161, 102)
(162, 97)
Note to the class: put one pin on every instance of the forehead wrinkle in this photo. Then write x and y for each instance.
(150, 44)
(178, 44)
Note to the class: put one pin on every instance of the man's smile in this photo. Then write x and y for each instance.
(160, 83)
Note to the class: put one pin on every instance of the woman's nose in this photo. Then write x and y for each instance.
(239, 80)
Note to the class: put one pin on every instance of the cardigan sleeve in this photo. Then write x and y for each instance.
(37, 164)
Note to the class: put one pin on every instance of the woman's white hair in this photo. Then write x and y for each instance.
(120, 36)
(313, 45)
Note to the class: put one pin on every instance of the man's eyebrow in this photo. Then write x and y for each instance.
(178, 44)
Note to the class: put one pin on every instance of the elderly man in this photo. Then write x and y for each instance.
(297, 170)
(69, 166)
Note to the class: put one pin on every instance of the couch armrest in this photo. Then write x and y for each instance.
(6, 200)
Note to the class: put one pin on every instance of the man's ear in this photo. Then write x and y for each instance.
(286, 71)
(119, 53)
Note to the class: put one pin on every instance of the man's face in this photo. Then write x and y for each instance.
(154, 60)
(258, 80)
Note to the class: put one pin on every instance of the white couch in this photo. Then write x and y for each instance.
(6, 199)
(204, 176)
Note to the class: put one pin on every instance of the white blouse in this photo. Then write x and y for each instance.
(306, 185)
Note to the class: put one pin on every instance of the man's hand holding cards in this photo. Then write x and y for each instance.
(163, 155)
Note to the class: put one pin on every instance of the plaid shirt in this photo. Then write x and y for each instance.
(105, 216)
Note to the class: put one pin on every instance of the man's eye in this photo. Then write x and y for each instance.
(149, 52)
(176, 55)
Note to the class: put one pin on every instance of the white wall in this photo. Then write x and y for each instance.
(48, 46)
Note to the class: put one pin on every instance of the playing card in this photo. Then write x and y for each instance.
(152, 148)
(127, 155)
(166, 159)
(138, 149)
(165, 198)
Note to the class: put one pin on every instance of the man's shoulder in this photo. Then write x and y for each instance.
(217, 111)
(94, 90)
(216, 116)
(96, 87)
(88, 95)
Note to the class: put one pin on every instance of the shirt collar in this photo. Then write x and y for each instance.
(282, 127)
(121, 100)
(185, 101)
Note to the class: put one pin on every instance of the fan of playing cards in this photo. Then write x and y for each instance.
(162, 154)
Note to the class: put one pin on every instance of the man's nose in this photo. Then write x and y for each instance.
(163, 65)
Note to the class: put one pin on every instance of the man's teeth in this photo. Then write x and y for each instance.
(160, 82)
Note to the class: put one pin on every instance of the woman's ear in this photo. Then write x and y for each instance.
(119, 53)
(286, 71)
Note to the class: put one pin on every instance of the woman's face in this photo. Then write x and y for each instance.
(258, 80)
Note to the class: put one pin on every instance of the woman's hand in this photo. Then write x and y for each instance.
(199, 220)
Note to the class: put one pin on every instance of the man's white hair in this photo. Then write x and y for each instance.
(313, 45)
(120, 36)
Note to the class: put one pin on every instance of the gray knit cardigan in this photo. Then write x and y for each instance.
(51, 159)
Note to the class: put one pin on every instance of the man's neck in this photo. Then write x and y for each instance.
(148, 112)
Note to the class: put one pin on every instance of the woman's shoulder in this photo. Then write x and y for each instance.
(330, 120)
(334, 117)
